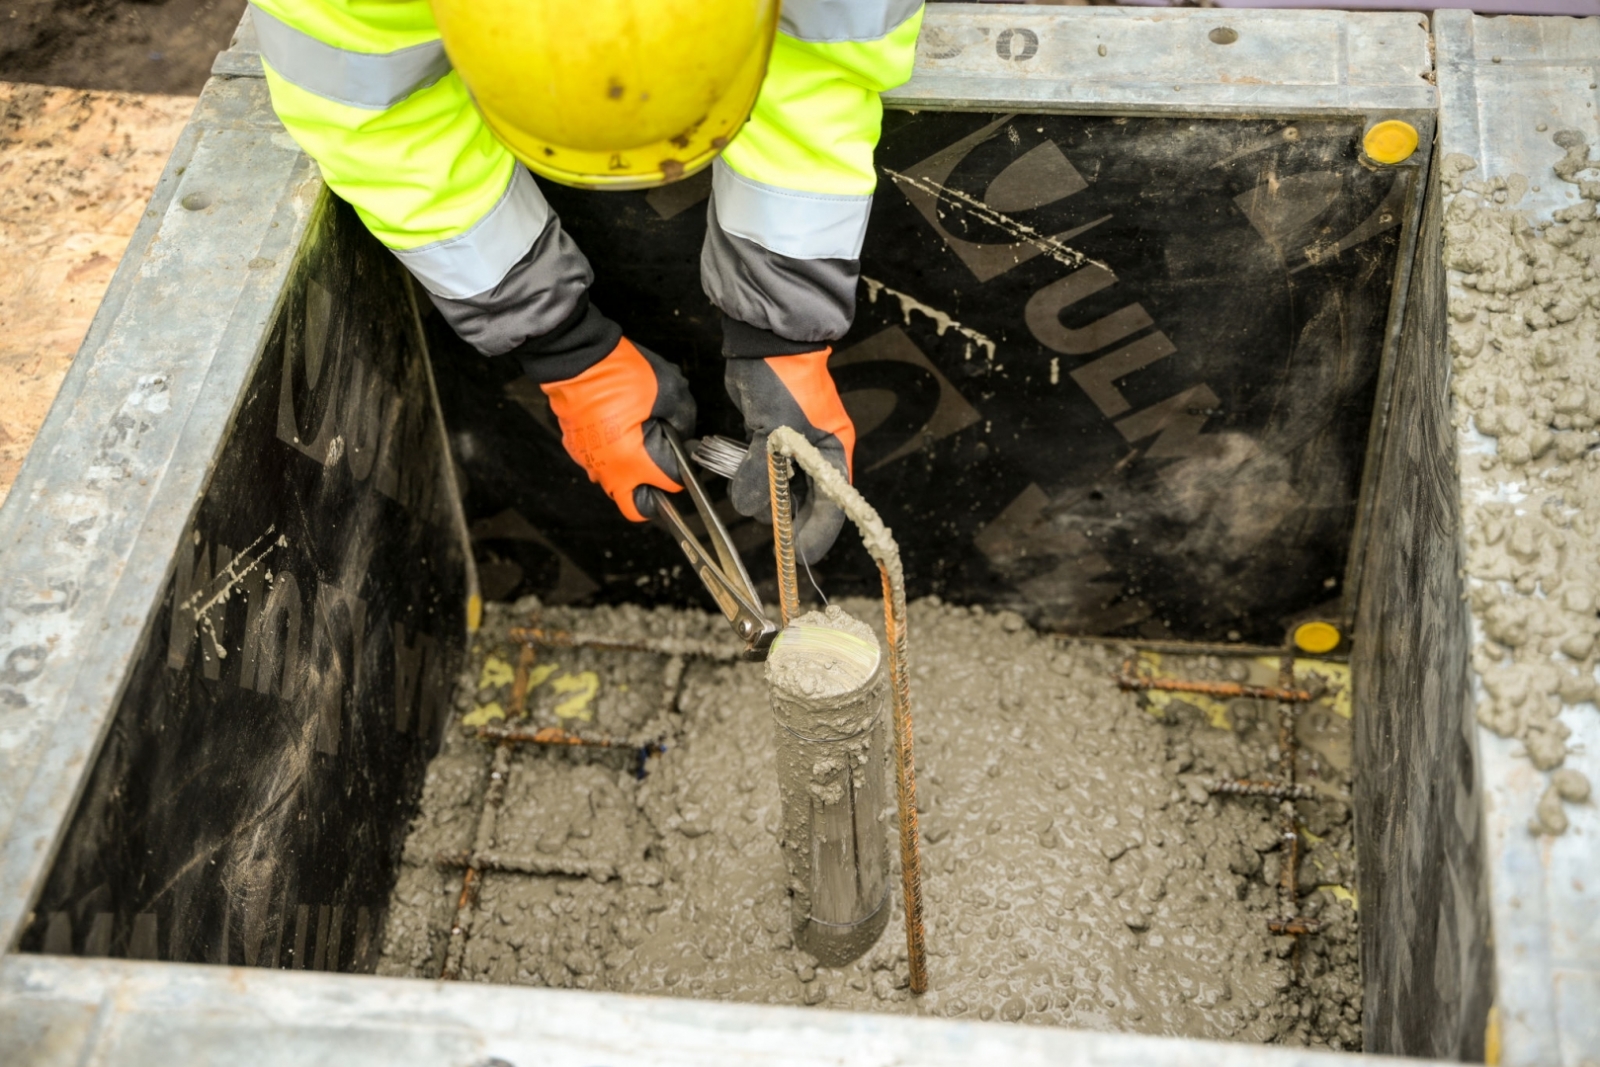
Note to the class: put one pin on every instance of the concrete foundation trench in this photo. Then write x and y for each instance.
(1094, 856)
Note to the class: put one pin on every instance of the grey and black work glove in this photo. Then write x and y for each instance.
(794, 390)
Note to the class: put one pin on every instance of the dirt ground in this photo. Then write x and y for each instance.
(163, 46)
(93, 95)
(76, 169)
(1076, 870)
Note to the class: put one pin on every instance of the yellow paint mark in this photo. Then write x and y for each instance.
(484, 714)
(1338, 676)
(1340, 893)
(537, 676)
(496, 671)
(1307, 834)
(1215, 711)
(474, 613)
(1491, 1037)
(583, 686)
(1264, 672)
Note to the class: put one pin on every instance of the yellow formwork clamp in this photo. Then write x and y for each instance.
(1390, 142)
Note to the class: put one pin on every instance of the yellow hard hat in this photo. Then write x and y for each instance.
(615, 94)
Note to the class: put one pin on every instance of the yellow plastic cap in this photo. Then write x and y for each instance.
(1316, 637)
(618, 94)
(1390, 141)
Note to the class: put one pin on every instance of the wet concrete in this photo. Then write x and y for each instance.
(1076, 870)
(1525, 305)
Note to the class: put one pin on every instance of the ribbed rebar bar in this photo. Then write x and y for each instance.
(779, 471)
(1277, 790)
(1283, 694)
(471, 882)
(498, 861)
(483, 839)
(555, 735)
(1287, 762)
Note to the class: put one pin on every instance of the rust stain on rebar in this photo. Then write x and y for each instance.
(779, 471)
(458, 934)
(1286, 746)
(1295, 927)
(519, 682)
(1127, 679)
(483, 841)
(1286, 773)
(905, 779)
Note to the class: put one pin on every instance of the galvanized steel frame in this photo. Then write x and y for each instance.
(87, 537)
(1506, 86)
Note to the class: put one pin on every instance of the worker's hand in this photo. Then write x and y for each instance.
(611, 419)
(795, 391)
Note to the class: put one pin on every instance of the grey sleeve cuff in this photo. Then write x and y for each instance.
(541, 291)
(812, 300)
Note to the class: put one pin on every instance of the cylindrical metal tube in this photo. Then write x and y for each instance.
(828, 690)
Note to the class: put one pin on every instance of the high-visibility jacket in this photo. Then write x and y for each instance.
(366, 89)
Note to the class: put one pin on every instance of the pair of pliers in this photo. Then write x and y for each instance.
(724, 577)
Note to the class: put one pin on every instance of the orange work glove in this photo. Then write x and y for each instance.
(797, 391)
(611, 419)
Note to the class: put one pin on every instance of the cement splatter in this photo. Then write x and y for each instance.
(1525, 313)
(942, 321)
(1050, 246)
(1077, 872)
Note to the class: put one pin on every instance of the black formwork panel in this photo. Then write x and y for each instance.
(251, 799)
(1117, 373)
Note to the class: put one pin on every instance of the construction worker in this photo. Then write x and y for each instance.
(427, 115)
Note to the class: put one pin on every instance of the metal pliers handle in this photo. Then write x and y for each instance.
(724, 576)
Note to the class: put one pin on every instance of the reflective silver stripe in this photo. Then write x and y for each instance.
(373, 81)
(476, 261)
(828, 21)
(789, 222)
